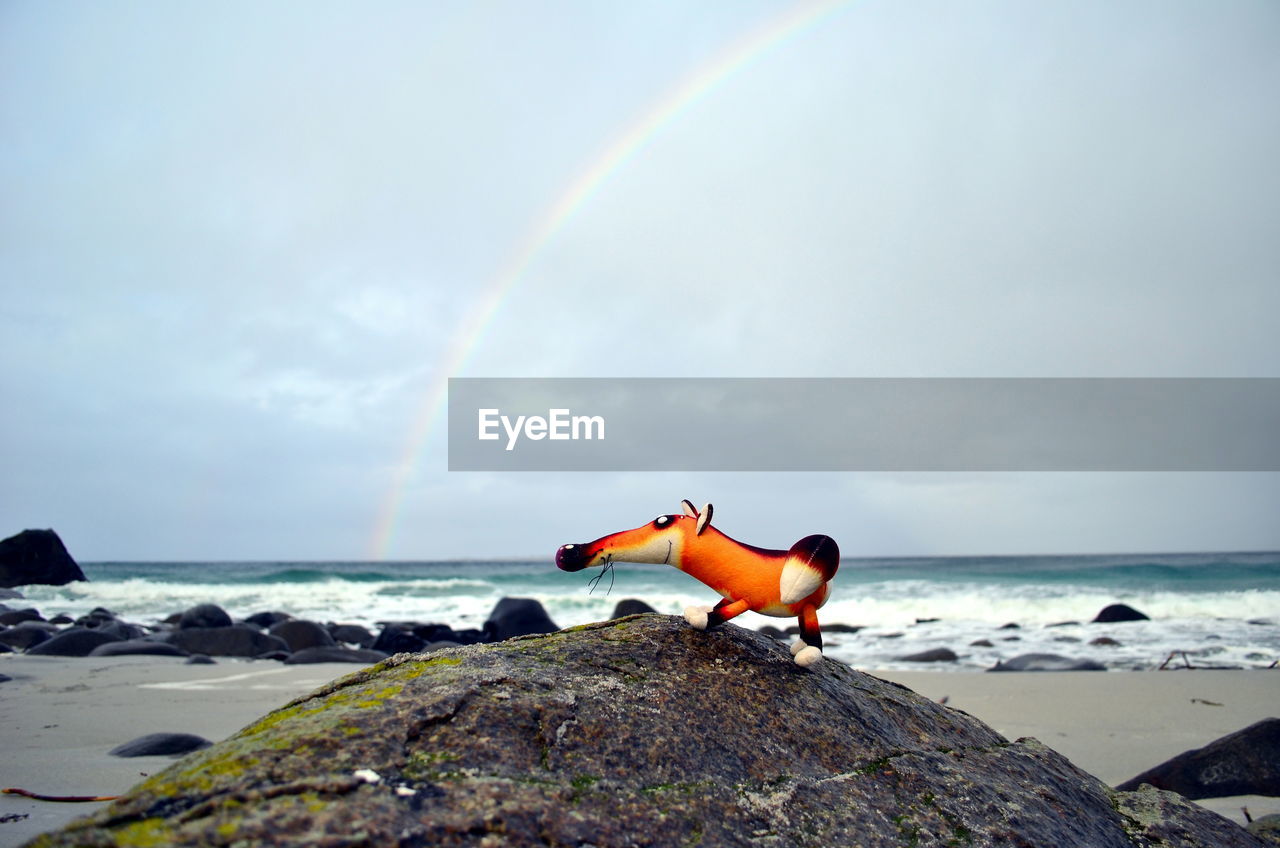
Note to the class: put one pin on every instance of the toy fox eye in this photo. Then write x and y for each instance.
(662, 521)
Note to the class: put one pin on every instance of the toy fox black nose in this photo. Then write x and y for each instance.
(571, 557)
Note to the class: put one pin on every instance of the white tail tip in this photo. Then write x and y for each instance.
(799, 581)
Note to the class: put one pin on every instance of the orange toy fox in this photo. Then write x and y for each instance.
(777, 583)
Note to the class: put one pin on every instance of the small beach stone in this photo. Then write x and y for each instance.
(396, 639)
(239, 640)
(267, 620)
(137, 647)
(1119, 612)
(204, 616)
(299, 634)
(1047, 662)
(981, 643)
(931, 655)
(27, 634)
(12, 617)
(1105, 641)
(160, 745)
(73, 642)
(334, 654)
(201, 659)
(352, 634)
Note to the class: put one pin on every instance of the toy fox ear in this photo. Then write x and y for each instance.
(687, 506)
(704, 520)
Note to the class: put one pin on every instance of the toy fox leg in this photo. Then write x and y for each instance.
(701, 617)
(808, 648)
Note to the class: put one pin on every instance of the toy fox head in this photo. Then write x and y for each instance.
(663, 540)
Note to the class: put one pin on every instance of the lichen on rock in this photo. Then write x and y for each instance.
(636, 731)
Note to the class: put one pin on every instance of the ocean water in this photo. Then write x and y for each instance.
(1220, 609)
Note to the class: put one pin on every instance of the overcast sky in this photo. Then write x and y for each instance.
(242, 244)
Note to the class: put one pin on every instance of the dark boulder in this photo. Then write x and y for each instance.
(122, 630)
(622, 733)
(1046, 662)
(238, 640)
(1266, 828)
(630, 606)
(468, 636)
(299, 634)
(72, 642)
(27, 634)
(36, 557)
(160, 745)
(96, 617)
(12, 617)
(435, 633)
(397, 639)
(513, 617)
(204, 616)
(1119, 612)
(794, 630)
(267, 620)
(1246, 762)
(335, 654)
(137, 647)
(931, 655)
(352, 634)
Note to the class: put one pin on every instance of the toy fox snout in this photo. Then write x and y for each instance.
(572, 557)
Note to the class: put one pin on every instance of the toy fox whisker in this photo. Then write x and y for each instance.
(595, 581)
(794, 582)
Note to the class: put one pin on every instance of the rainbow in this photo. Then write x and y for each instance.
(706, 78)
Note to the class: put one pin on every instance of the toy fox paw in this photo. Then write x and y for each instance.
(808, 655)
(798, 647)
(697, 617)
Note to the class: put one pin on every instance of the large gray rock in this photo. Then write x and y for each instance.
(640, 731)
(1246, 762)
(36, 556)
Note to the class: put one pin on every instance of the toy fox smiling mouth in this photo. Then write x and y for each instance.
(787, 583)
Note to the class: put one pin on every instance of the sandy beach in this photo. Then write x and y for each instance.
(60, 717)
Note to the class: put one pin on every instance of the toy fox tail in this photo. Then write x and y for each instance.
(811, 562)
